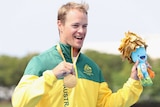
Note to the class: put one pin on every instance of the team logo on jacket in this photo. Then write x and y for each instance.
(88, 70)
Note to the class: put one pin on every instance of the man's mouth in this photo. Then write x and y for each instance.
(79, 37)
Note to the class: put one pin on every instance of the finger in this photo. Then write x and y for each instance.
(65, 73)
(68, 66)
(148, 65)
(72, 71)
(134, 71)
(134, 68)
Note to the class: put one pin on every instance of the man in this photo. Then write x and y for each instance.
(42, 83)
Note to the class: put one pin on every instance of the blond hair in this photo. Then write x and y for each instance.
(62, 12)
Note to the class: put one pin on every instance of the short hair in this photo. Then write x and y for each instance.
(64, 9)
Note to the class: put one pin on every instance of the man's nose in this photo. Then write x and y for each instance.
(81, 29)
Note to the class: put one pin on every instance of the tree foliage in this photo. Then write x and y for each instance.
(11, 69)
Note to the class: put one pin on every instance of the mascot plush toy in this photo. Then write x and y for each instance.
(133, 48)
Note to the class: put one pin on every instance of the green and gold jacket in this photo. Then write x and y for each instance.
(39, 87)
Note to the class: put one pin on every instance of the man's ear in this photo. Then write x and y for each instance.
(60, 25)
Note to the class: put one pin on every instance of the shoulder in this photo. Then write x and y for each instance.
(88, 60)
(48, 57)
(44, 61)
(50, 51)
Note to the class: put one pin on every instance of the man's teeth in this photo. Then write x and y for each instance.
(78, 37)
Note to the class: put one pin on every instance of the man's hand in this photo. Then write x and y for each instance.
(63, 69)
(134, 71)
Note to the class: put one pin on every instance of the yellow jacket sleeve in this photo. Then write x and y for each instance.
(31, 88)
(124, 97)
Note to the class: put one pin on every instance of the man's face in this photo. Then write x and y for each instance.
(73, 31)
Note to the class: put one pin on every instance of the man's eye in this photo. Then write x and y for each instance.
(84, 26)
(75, 26)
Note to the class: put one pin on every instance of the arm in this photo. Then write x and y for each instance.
(124, 97)
(31, 88)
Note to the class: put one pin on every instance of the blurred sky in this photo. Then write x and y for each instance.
(28, 26)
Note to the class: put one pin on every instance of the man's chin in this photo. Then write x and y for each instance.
(78, 47)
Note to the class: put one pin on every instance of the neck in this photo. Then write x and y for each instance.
(75, 52)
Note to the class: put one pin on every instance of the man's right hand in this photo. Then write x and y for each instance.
(63, 69)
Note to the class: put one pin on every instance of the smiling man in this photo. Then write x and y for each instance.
(42, 84)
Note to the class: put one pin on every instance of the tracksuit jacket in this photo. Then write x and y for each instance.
(39, 87)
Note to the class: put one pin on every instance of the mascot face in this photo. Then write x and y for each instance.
(139, 54)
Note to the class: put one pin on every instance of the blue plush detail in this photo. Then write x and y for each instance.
(140, 55)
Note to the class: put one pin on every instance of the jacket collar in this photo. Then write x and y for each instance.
(67, 51)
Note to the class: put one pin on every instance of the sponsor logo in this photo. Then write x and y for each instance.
(88, 70)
